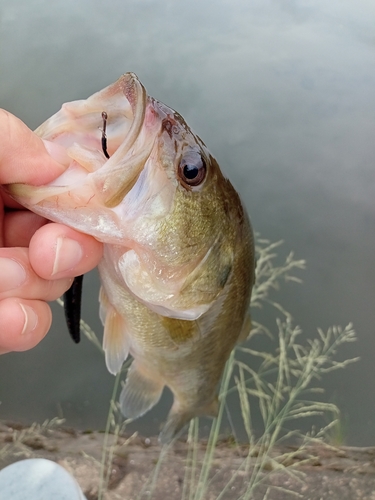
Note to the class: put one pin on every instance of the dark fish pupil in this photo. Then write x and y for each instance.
(191, 171)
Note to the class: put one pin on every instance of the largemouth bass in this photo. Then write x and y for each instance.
(178, 264)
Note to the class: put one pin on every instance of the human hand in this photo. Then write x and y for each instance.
(38, 260)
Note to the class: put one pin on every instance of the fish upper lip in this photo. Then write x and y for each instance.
(136, 95)
(121, 171)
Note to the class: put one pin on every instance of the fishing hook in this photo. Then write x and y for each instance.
(104, 135)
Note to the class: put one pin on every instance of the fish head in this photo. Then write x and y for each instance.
(168, 216)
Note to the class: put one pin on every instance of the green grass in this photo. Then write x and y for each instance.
(281, 392)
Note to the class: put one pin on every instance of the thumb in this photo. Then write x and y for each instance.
(25, 157)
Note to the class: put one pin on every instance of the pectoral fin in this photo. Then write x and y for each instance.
(115, 341)
(140, 393)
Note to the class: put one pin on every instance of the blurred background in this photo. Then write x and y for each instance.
(283, 94)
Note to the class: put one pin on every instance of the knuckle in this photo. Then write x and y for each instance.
(56, 288)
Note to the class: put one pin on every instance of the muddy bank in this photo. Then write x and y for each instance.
(323, 473)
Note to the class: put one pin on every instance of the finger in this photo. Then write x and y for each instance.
(1, 221)
(18, 279)
(23, 155)
(57, 251)
(23, 323)
(19, 227)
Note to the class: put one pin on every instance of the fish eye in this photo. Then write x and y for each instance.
(192, 169)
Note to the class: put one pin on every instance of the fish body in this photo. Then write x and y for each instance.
(178, 264)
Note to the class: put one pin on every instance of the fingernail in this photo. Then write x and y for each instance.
(12, 274)
(68, 254)
(57, 152)
(31, 319)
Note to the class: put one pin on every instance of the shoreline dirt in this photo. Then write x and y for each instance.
(327, 472)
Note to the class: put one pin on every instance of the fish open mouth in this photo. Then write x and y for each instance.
(106, 154)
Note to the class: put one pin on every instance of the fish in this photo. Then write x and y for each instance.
(178, 265)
